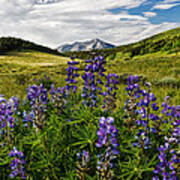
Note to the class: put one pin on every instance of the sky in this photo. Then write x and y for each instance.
(56, 22)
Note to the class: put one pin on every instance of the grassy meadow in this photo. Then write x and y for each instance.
(19, 69)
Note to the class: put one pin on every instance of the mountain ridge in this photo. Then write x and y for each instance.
(8, 44)
(85, 46)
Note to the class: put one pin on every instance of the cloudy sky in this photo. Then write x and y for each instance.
(55, 22)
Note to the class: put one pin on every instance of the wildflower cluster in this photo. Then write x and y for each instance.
(94, 71)
(17, 164)
(169, 157)
(141, 107)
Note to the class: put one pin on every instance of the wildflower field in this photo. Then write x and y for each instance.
(90, 128)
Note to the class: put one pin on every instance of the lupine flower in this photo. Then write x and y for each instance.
(94, 71)
(146, 108)
(72, 74)
(83, 157)
(89, 91)
(7, 121)
(96, 65)
(168, 157)
(142, 140)
(133, 91)
(110, 93)
(82, 165)
(38, 98)
(17, 164)
(28, 118)
(14, 102)
(107, 134)
(58, 97)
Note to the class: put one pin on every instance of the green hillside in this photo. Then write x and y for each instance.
(8, 44)
(167, 42)
(18, 69)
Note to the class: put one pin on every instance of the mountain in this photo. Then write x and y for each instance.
(85, 46)
(8, 44)
(165, 42)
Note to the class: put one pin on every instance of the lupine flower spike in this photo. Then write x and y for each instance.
(107, 134)
(17, 164)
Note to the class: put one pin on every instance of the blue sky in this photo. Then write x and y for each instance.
(55, 22)
(169, 14)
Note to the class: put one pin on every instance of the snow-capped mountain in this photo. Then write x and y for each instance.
(85, 46)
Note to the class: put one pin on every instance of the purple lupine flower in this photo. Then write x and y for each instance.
(7, 120)
(58, 97)
(89, 91)
(82, 164)
(94, 71)
(72, 74)
(83, 158)
(110, 93)
(28, 118)
(133, 91)
(17, 164)
(96, 65)
(168, 157)
(107, 134)
(146, 113)
(38, 98)
(141, 108)
(14, 102)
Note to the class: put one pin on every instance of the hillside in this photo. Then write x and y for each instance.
(166, 42)
(20, 69)
(8, 44)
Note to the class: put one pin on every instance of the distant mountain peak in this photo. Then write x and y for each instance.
(85, 46)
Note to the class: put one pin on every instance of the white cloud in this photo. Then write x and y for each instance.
(149, 14)
(70, 20)
(166, 4)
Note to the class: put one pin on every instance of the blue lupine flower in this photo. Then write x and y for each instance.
(168, 157)
(94, 71)
(72, 74)
(110, 92)
(38, 98)
(107, 134)
(58, 97)
(17, 164)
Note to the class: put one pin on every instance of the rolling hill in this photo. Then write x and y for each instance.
(8, 44)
